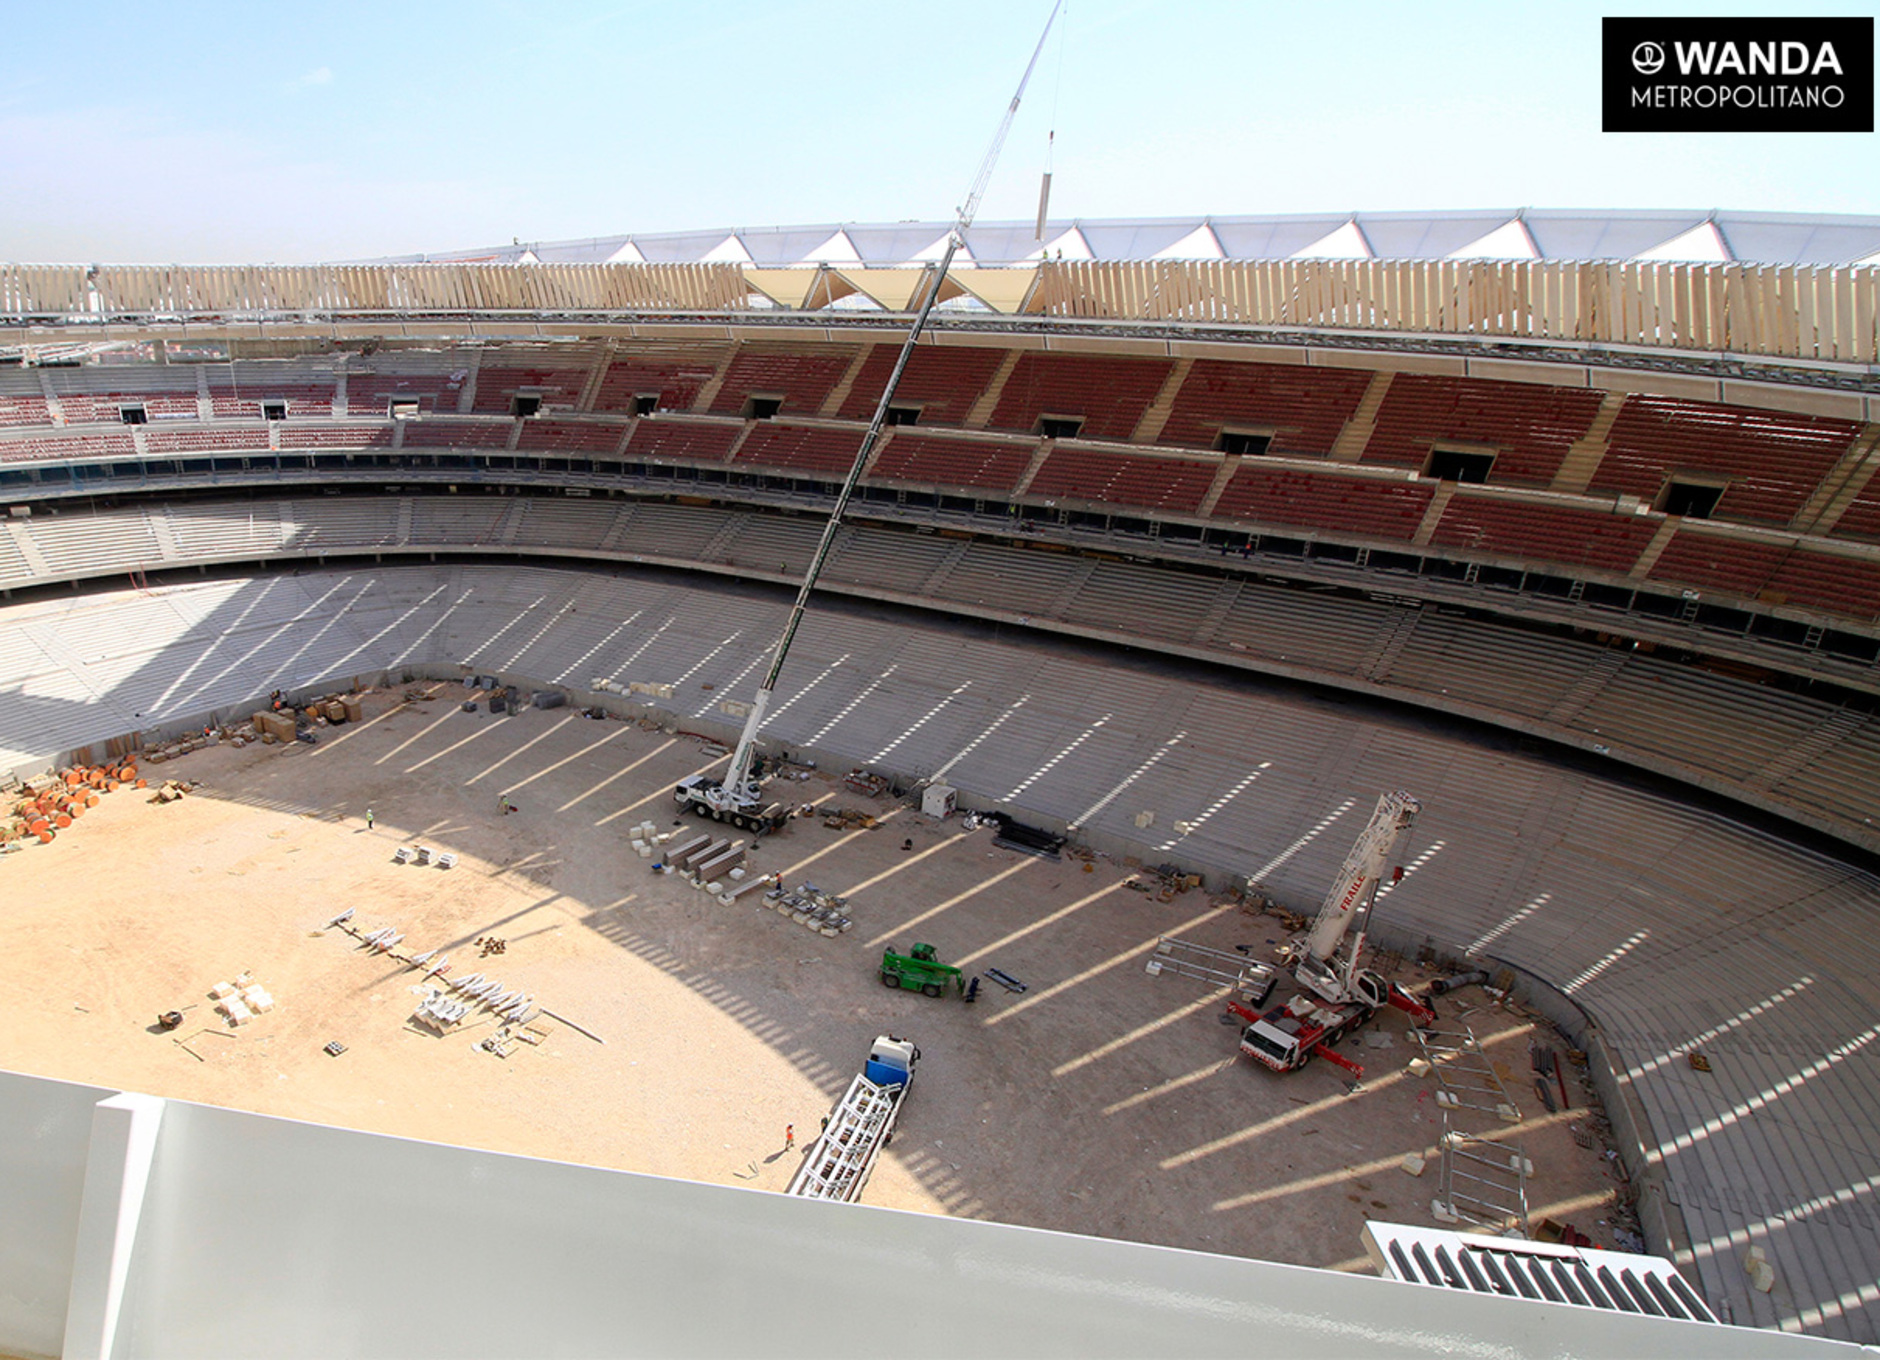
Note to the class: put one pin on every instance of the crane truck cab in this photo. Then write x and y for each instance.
(891, 1061)
(1289, 1036)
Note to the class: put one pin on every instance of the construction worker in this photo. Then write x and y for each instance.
(789, 1136)
(368, 819)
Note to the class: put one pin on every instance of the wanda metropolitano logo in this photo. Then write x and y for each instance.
(1737, 75)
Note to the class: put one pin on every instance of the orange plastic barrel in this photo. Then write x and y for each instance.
(37, 826)
(110, 786)
(140, 784)
(73, 777)
(62, 820)
(129, 772)
(92, 801)
(45, 836)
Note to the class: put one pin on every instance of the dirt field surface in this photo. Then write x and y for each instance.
(1102, 1100)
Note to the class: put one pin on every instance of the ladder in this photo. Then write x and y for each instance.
(1483, 1182)
(837, 1164)
(1465, 1078)
(1216, 967)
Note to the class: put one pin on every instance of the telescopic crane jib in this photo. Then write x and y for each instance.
(737, 796)
(1338, 996)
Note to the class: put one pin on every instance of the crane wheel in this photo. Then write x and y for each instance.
(890, 979)
(933, 989)
(718, 814)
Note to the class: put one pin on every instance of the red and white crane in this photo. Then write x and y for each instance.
(1336, 994)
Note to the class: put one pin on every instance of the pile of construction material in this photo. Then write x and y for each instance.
(644, 839)
(241, 1000)
(49, 804)
(440, 1011)
(171, 790)
(848, 819)
(714, 864)
(812, 908)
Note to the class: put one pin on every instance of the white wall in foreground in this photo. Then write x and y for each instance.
(268, 1237)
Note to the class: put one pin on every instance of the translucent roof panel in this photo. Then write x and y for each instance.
(1604, 236)
(1509, 241)
(1345, 242)
(1426, 236)
(895, 244)
(1557, 234)
(1271, 238)
(1135, 240)
(789, 245)
(679, 247)
(1775, 239)
(1701, 244)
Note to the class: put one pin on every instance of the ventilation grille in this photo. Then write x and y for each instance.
(1615, 1281)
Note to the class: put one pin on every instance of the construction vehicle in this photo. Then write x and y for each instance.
(837, 1165)
(1337, 996)
(920, 970)
(706, 798)
(740, 792)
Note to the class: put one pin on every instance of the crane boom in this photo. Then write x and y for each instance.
(738, 789)
(1351, 895)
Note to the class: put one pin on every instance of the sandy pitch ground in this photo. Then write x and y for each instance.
(1102, 1101)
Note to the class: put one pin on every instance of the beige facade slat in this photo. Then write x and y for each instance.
(1825, 313)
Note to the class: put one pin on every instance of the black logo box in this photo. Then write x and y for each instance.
(1652, 78)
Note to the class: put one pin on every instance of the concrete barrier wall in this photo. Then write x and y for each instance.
(269, 1237)
(45, 1132)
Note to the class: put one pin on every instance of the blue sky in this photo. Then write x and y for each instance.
(275, 132)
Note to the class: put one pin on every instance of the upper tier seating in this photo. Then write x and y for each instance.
(1173, 484)
(672, 375)
(1363, 507)
(373, 393)
(801, 374)
(981, 463)
(1304, 407)
(1110, 394)
(557, 387)
(1772, 459)
(1531, 425)
(301, 399)
(1544, 533)
(942, 380)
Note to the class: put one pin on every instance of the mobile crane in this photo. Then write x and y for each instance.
(738, 798)
(1337, 996)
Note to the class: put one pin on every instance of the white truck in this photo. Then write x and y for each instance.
(706, 797)
(1337, 996)
(837, 1165)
